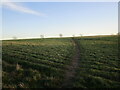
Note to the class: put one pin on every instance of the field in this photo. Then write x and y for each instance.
(45, 63)
(35, 63)
(99, 63)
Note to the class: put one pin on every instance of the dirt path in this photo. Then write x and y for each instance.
(71, 69)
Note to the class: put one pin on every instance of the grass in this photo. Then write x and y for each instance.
(99, 62)
(40, 63)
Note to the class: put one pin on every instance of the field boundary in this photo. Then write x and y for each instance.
(72, 67)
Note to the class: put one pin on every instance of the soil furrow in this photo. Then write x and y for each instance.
(71, 69)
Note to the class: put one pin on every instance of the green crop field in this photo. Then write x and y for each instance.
(99, 63)
(43, 63)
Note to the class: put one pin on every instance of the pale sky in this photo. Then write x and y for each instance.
(31, 19)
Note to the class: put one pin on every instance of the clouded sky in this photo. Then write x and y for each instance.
(31, 19)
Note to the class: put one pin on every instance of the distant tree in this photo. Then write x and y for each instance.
(73, 35)
(14, 37)
(81, 35)
(118, 33)
(60, 35)
(42, 36)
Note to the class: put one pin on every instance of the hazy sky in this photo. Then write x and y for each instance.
(51, 18)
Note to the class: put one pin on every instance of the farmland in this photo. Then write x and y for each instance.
(99, 63)
(35, 63)
(41, 63)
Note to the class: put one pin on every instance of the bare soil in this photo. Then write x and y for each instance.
(71, 69)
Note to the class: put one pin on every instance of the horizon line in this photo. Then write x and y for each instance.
(57, 37)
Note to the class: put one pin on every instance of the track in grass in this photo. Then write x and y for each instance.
(71, 69)
(41, 62)
(99, 61)
(81, 62)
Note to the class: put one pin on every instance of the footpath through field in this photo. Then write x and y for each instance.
(71, 69)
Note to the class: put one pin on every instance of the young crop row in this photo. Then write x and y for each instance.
(35, 63)
(99, 63)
